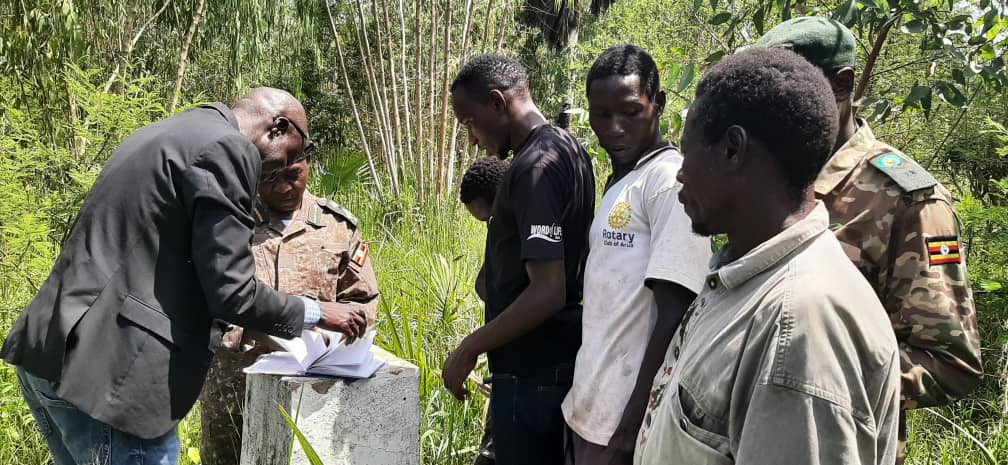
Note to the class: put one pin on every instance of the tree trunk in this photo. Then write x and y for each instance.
(465, 57)
(444, 99)
(184, 55)
(880, 39)
(419, 99)
(125, 56)
(353, 102)
(486, 26)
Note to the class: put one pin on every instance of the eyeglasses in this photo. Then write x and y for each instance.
(309, 148)
(309, 145)
(276, 175)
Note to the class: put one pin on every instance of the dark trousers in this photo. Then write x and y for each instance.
(528, 426)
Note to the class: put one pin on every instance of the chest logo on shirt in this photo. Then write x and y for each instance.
(619, 216)
(546, 232)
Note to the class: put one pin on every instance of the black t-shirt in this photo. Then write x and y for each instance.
(542, 211)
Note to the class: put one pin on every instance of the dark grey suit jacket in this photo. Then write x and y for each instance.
(159, 250)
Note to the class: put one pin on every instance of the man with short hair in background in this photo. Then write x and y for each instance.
(534, 261)
(477, 192)
(786, 356)
(898, 226)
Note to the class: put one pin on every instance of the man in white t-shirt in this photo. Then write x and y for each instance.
(645, 265)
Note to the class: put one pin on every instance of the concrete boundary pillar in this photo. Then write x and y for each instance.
(362, 422)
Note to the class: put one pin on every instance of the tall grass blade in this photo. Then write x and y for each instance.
(987, 452)
(309, 451)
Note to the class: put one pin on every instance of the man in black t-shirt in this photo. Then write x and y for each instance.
(535, 254)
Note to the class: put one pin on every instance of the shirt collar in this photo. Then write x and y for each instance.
(845, 159)
(263, 217)
(224, 111)
(764, 256)
(652, 154)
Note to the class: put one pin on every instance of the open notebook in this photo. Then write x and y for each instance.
(311, 354)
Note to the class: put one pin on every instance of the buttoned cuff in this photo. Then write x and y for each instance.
(312, 312)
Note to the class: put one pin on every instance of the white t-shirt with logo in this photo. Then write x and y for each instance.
(639, 233)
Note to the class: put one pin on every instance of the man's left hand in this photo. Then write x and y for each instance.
(456, 369)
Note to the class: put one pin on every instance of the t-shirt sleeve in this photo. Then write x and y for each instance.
(677, 254)
(538, 200)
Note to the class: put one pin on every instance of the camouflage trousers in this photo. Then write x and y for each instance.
(223, 401)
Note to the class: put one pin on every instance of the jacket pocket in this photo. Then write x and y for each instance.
(146, 317)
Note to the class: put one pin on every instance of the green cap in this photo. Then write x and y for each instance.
(824, 42)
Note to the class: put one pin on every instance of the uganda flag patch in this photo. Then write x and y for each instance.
(360, 254)
(943, 250)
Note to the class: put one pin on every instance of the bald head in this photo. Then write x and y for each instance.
(271, 103)
(275, 122)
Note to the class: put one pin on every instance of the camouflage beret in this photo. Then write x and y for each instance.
(822, 41)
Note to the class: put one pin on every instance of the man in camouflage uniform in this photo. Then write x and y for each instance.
(303, 245)
(898, 226)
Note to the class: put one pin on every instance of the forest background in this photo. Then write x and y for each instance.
(79, 76)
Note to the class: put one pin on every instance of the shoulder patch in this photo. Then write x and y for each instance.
(360, 253)
(943, 250)
(332, 206)
(909, 175)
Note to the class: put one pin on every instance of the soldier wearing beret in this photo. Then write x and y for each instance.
(897, 225)
(304, 245)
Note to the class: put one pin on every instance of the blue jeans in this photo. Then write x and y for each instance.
(74, 438)
(528, 426)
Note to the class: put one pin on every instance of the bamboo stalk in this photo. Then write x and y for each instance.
(184, 55)
(405, 83)
(465, 56)
(444, 100)
(486, 26)
(419, 99)
(505, 19)
(395, 92)
(353, 103)
(364, 47)
(129, 49)
(431, 95)
(383, 94)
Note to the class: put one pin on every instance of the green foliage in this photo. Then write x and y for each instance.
(306, 446)
(426, 259)
(42, 183)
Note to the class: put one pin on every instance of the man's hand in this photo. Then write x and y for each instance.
(349, 321)
(456, 369)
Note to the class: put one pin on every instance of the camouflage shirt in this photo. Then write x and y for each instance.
(897, 224)
(319, 254)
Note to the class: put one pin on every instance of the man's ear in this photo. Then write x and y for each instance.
(498, 101)
(735, 146)
(659, 102)
(278, 126)
(842, 83)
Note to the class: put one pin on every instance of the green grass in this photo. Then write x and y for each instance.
(426, 259)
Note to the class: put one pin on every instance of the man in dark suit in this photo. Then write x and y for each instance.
(114, 349)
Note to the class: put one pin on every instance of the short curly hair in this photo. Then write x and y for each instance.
(491, 72)
(781, 100)
(480, 181)
(626, 60)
